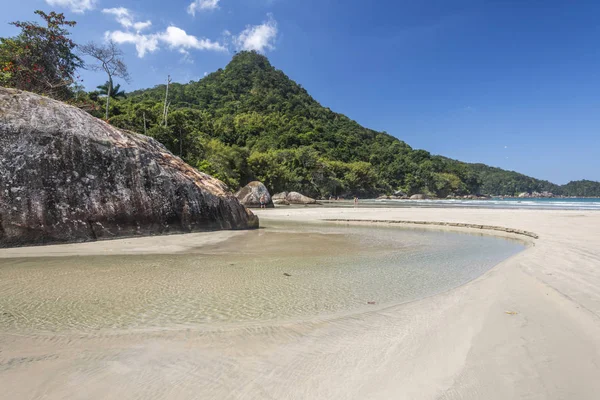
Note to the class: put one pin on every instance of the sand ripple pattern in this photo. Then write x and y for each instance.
(331, 270)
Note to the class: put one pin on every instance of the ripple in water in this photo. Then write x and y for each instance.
(278, 273)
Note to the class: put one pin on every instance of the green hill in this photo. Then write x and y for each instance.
(500, 182)
(250, 121)
(581, 188)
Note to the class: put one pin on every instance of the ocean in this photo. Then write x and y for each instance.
(496, 202)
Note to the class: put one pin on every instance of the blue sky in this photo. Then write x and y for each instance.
(514, 84)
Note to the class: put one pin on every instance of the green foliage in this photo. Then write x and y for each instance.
(284, 137)
(40, 59)
(497, 181)
(268, 167)
(581, 188)
(250, 121)
(227, 163)
(115, 91)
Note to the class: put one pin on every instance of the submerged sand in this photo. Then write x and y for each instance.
(286, 272)
(529, 328)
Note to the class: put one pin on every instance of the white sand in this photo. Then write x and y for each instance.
(458, 345)
(168, 244)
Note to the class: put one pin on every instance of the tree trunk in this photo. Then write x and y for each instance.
(166, 106)
(108, 92)
(167, 113)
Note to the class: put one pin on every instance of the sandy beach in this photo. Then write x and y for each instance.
(527, 329)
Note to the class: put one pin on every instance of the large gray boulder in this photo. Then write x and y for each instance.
(251, 194)
(418, 197)
(297, 198)
(66, 176)
(280, 196)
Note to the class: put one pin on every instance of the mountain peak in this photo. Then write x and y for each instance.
(250, 121)
(251, 58)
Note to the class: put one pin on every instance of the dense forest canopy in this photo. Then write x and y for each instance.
(249, 121)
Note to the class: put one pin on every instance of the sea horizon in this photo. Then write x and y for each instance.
(570, 203)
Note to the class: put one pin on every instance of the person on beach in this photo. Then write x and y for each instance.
(355, 201)
(263, 201)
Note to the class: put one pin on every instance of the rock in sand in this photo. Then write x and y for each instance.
(297, 198)
(66, 176)
(250, 195)
(280, 196)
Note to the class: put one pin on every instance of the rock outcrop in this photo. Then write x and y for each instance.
(536, 195)
(287, 198)
(280, 196)
(251, 194)
(66, 176)
(393, 197)
(418, 197)
(297, 198)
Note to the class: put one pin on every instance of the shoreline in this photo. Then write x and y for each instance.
(468, 227)
(136, 245)
(527, 328)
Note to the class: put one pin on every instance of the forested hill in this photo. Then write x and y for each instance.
(250, 121)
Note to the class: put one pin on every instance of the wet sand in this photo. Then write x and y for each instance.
(527, 329)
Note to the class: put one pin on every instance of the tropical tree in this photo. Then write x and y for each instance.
(115, 92)
(108, 58)
(40, 59)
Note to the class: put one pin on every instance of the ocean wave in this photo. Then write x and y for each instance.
(541, 204)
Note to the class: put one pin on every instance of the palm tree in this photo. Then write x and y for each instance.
(115, 91)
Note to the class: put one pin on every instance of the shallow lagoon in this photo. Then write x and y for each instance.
(279, 273)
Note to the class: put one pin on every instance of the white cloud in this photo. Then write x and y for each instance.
(78, 6)
(186, 58)
(140, 26)
(258, 37)
(125, 18)
(173, 37)
(143, 43)
(122, 15)
(202, 5)
(177, 38)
